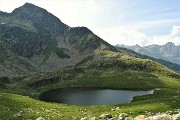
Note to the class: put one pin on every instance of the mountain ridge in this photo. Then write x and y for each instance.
(168, 51)
(35, 34)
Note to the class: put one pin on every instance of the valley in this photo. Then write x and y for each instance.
(40, 53)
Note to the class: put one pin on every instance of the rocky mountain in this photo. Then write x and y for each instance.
(32, 39)
(168, 52)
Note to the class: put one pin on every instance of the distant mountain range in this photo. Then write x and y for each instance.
(169, 51)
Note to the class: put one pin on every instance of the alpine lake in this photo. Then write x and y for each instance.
(91, 96)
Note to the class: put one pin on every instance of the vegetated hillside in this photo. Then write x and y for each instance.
(173, 66)
(106, 70)
(38, 38)
(167, 51)
(34, 40)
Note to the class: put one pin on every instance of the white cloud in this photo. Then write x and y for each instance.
(92, 6)
(173, 36)
(160, 40)
(123, 35)
(175, 31)
(131, 36)
(9, 5)
(152, 23)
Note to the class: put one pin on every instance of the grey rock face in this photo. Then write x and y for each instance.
(33, 34)
(168, 51)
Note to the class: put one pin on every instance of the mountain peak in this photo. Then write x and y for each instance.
(28, 4)
(40, 18)
(170, 44)
(28, 8)
(137, 46)
(3, 13)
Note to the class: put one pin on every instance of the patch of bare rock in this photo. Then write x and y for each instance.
(124, 116)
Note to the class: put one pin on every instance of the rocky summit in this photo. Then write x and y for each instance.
(32, 39)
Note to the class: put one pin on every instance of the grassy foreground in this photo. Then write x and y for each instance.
(112, 70)
(17, 107)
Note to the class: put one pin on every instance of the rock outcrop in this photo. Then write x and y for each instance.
(124, 116)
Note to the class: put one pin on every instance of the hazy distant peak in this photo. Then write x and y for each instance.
(168, 51)
(137, 45)
(170, 44)
(151, 46)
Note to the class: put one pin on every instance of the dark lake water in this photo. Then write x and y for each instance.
(86, 96)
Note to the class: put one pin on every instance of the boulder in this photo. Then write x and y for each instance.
(129, 118)
(105, 116)
(86, 118)
(40, 118)
(93, 118)
(159, 117)
(176, 117)
(123, 116)
(140, 117)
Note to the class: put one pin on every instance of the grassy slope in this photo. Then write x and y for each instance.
(127, 73)
(19, 107)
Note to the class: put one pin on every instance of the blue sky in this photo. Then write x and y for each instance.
(157, 15)
(129, 22)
